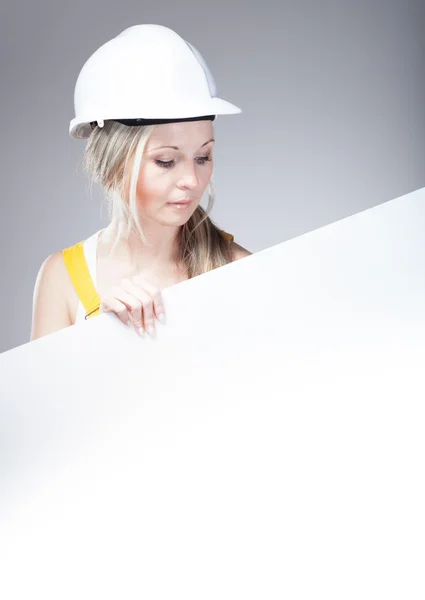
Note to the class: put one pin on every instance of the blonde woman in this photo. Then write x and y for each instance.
(145, 101)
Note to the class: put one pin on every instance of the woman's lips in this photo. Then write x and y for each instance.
(181, 205)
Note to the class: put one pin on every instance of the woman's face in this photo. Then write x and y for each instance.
(176, 167)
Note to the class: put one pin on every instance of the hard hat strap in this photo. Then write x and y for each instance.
(139, 122)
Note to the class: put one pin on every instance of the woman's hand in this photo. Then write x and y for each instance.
(137, 303)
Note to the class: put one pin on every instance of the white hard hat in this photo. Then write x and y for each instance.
(147, 74)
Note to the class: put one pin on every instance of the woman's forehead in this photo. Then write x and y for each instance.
(187, 133)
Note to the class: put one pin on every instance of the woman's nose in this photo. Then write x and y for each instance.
(189, 182)
(188, 179)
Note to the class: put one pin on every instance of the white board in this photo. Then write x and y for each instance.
(269, 443)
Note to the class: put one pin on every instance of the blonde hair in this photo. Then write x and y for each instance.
(109, 152)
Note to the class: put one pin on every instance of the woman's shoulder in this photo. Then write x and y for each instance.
(54, 298)
(50, 298)
(238, 251)
(54, 271)
(52, 268)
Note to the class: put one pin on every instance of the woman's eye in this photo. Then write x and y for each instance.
(203, 159)
(165, 164)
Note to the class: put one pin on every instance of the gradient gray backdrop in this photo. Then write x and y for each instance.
(333, 122)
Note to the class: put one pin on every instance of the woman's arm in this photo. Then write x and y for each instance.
(50, 305)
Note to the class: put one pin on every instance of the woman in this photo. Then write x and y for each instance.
(146, 101)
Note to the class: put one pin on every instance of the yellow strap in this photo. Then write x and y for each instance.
(227, 236)
(79, 273)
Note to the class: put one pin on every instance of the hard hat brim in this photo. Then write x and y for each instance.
(80, 128)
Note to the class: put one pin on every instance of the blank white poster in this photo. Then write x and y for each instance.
(268, 443)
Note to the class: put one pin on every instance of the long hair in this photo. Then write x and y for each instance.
(108, 153)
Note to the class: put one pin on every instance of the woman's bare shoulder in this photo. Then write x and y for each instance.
(51, 297)
(238, 251)
(53, 270)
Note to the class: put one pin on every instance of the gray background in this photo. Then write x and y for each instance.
(333, 99)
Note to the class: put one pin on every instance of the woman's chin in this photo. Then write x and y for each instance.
(176, 221)
(174, 215)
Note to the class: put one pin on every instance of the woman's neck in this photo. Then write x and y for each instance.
(161, 252)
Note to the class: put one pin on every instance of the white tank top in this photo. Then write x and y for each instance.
(90, 253)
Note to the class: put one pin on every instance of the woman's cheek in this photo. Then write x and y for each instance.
(207, 174)
(150, 188)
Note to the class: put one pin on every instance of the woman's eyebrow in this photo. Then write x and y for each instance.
(176, 147)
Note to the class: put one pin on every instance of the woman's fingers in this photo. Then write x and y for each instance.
(136, 302)
(118, 303)
(155, 294)
(143, 315)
